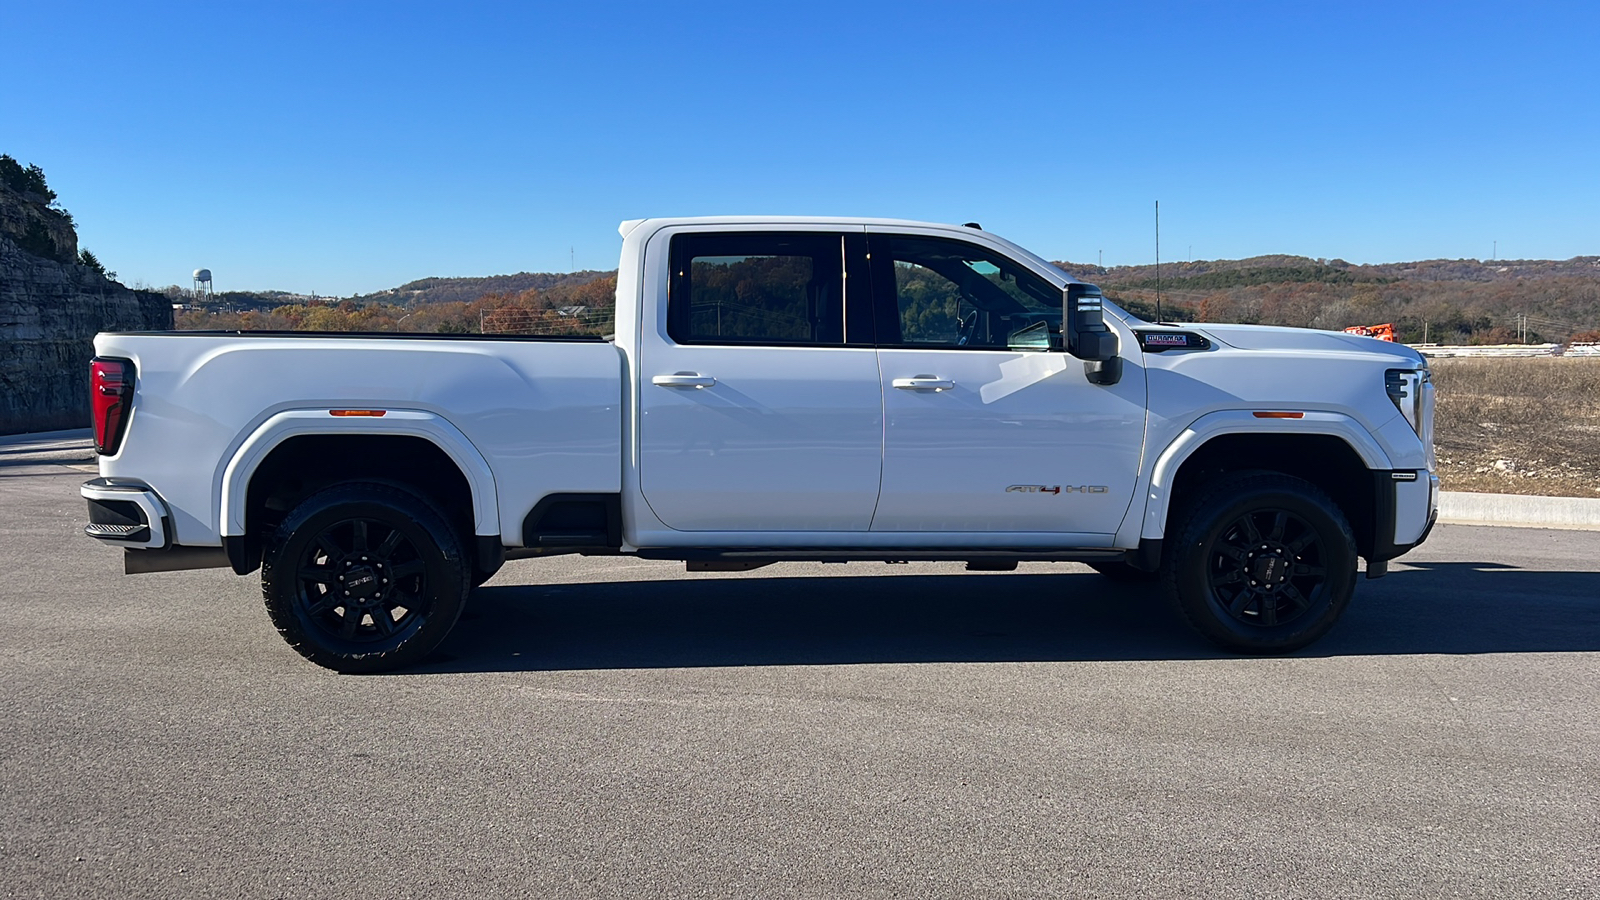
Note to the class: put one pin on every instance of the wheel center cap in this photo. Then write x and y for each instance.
(361, 582)
(1270, 569)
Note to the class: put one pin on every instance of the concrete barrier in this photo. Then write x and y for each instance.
(1518, 510)
(1437, 351)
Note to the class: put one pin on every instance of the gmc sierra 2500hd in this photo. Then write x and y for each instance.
(777, 389)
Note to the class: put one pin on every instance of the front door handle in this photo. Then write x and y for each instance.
(924, 383)
(684, 380)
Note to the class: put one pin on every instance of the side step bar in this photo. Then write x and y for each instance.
(979, 560)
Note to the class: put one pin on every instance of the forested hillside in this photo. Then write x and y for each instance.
(1448, 301)
(568, 306)
(466, 290)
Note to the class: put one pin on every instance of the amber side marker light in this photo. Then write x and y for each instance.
(374, 413)
(1279, 415)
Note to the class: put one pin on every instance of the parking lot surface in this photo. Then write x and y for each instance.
(617, 727)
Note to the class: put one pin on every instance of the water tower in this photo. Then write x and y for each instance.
(202, 285)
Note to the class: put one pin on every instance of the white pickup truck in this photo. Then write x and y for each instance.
(820, 389)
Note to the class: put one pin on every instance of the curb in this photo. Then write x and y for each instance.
(1519, 511)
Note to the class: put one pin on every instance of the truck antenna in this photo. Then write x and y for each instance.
(1158, 262)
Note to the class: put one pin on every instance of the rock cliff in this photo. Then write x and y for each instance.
(50, 310)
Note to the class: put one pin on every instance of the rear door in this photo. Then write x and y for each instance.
(761, 407)
(990, 427)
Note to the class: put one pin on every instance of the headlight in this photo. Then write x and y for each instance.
(1412, 393)
(1405, 389)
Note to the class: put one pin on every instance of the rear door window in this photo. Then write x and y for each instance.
(758, 288)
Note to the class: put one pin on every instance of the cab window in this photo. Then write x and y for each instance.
(953, 294)
(756, 288)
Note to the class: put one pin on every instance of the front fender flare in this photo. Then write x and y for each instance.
(1158, 492)
(405, 422)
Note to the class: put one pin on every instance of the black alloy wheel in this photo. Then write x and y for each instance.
(362, 580)
(1263, 562)
(1266, 568)
(364, 577)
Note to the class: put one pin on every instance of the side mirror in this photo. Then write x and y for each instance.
(1088, 338)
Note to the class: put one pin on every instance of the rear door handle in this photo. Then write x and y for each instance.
(684, 380)
(923, 383)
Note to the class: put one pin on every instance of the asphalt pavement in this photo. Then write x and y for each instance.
(618, 727)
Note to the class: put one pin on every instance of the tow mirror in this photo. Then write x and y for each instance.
(1088, 338)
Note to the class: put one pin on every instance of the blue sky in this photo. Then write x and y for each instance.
(350, 147)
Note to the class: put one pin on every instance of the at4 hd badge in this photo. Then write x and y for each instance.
(1058, 489)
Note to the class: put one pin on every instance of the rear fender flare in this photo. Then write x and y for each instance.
(402, 422)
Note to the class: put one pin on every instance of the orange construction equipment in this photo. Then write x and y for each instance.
(1384, 332)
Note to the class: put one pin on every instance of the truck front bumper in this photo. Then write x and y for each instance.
(1407, 506)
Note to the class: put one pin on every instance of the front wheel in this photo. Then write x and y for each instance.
(364, 578)
(1263, 563)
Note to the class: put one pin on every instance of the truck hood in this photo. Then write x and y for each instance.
(1269, 337)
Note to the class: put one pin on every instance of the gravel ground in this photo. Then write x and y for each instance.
(1519, 426)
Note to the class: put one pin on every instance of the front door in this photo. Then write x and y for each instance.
(759, 398)
(989, 426)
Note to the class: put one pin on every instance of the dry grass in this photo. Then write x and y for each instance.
(1519, 426)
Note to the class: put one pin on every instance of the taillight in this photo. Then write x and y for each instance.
(110, 393)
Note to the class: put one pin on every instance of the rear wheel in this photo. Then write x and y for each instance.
(1263, 563)
(364, 578)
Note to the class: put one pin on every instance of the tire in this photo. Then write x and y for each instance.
(395, 552)
(1263, 563)
(1121, 571)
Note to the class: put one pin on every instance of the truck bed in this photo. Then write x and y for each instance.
(543, 413)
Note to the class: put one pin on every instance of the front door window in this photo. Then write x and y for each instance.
(951, 294)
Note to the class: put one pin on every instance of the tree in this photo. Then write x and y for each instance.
(90, 261)
(28, 180)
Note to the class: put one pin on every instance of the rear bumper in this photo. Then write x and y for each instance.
(126, 515)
